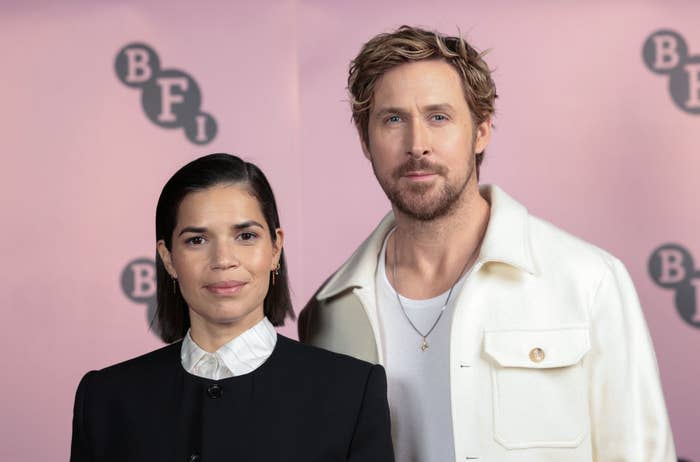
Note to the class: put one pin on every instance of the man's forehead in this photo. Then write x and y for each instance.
(420, 83)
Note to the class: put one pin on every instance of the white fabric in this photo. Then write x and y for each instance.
(594, 395)
(418, 381)
(241, 355)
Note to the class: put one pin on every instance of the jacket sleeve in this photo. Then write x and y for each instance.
(307, 323)
(372, 437)
(80, 449)
(305, 320)
(628, 414)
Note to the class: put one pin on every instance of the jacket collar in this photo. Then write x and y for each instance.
(506, 241)
(507, 238)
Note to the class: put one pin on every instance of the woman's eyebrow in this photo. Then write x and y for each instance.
(237, 226)
(192, 229)
(248, 224)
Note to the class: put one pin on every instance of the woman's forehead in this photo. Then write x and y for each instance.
(226, 202)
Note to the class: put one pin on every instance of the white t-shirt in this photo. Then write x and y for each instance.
(418, 381)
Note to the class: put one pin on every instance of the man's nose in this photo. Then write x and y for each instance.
(418, 139)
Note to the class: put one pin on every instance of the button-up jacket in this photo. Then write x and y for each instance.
(301, 405)
(550, 356)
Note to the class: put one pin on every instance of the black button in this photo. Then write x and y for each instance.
(215, 391)
(195, 458)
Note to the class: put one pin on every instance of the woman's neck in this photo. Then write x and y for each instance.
(210, 336)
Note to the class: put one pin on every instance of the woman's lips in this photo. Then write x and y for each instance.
(225, 287)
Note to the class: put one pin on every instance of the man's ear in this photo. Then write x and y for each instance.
(167, 259)
(365, 147)
(483, 135)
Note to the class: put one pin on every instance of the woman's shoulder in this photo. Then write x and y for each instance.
(327, 377)
(308, 357)
(139, 369)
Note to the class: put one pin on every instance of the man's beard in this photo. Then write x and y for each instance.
(410, 200)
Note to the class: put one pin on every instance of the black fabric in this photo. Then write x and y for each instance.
(302, 404)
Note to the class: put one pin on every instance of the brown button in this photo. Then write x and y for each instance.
(537, 355)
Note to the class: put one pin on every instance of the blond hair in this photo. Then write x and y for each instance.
(386, 51)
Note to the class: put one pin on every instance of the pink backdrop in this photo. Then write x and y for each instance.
(587, 137)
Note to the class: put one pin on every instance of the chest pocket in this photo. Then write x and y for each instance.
(540, 390)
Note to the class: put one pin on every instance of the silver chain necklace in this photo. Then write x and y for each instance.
(424, 344)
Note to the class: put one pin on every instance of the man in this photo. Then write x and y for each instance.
(504, 338)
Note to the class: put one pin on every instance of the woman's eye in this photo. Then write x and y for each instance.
(247, 236)
(195, 240)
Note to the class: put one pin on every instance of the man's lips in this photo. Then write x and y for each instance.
(420, 175)
(225, 287)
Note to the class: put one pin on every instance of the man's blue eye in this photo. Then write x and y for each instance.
(394, 118)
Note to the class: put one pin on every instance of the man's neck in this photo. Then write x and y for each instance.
(432, 255)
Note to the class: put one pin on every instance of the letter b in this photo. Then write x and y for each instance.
(144, 276)
(672, 271)
(670, 265)
(663, 51)
(666, 51)
(136, 64)
(139, 280)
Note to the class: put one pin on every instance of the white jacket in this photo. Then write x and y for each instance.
(594, 396)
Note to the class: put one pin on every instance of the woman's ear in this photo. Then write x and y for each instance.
(167, 259)
(277, 246)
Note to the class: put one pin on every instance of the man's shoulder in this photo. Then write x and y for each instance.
(360, 266)
(556, 248)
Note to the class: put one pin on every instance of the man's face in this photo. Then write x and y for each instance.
(422, 138)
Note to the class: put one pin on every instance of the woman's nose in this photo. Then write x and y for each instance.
(224, 257)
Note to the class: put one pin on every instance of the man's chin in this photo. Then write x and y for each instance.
(423, 210)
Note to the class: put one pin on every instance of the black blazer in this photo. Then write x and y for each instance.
(302, 404)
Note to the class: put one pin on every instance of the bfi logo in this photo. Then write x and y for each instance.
(665, 52)
(138, 280)
(671, 267)
(170, 97)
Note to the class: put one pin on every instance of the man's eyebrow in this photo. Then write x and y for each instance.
(237, 226)
(446, 107)
(388, 110)
(438, 107)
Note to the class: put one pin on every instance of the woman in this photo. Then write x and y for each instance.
(229, 388)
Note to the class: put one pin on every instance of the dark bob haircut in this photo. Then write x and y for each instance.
(172, 317)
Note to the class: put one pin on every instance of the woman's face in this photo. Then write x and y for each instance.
(221, 255)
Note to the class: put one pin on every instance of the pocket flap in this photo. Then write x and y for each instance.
(546, 348)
